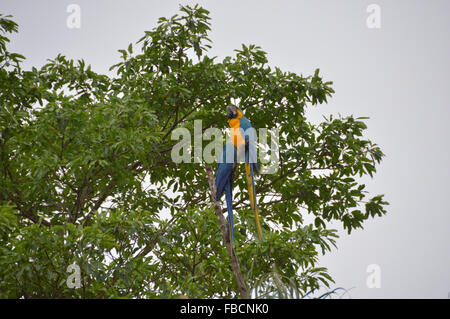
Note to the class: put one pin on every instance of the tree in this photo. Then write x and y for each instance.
(86, 173)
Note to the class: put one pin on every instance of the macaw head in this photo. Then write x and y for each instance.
(232, 112)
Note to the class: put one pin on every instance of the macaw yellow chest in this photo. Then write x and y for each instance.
(235, 133)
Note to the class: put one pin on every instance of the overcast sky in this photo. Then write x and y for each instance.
(396, 74)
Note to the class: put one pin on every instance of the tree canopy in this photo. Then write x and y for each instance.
(87, 175)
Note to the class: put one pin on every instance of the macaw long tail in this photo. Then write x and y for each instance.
(230, 213)
(252, 195)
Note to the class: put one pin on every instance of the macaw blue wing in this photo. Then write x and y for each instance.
(249, 134)
(229, 200)
(225, 168)
(251, 165)
(224, 182)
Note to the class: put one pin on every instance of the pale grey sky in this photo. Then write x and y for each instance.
(397, 75)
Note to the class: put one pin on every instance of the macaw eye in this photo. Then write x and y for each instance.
(231, 111)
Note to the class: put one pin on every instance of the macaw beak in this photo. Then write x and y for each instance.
(231, 112)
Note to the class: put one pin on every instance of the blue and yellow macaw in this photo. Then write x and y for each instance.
(242, 138)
